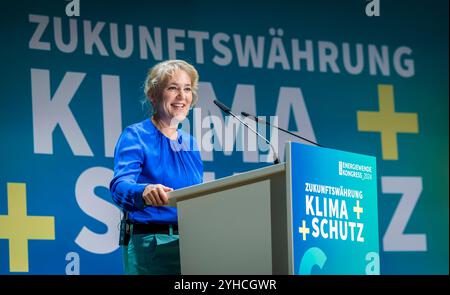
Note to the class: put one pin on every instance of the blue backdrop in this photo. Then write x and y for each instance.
(376, 85)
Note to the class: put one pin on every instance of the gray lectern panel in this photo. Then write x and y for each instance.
(226, 229)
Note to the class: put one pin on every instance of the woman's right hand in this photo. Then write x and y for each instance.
(156, 195)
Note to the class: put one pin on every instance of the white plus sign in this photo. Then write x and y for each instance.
(358, 210)
(303, 230)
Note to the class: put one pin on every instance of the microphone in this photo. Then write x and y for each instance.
(245, 114)
(228, 111)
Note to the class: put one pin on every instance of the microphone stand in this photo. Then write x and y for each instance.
(228, 111)
(245, 114)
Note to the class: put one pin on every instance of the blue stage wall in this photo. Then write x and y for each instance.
(375, 85)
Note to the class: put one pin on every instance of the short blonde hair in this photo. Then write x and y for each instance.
(160, 73)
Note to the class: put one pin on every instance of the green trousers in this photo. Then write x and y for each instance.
(152, 254)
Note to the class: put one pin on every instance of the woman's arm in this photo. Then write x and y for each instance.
(128, 161)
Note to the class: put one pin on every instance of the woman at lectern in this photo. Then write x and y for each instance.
(152, 158)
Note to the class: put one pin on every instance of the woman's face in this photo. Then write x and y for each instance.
(175, 98)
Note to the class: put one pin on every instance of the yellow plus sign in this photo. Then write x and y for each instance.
(303, 230)
(18, 228)
(358, 210)
(387, 122)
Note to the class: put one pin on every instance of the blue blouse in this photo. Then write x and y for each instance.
(143, 155)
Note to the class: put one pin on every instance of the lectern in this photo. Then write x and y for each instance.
(314, 214)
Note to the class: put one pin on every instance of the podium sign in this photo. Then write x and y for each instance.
(314, 214)
(332, 211)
